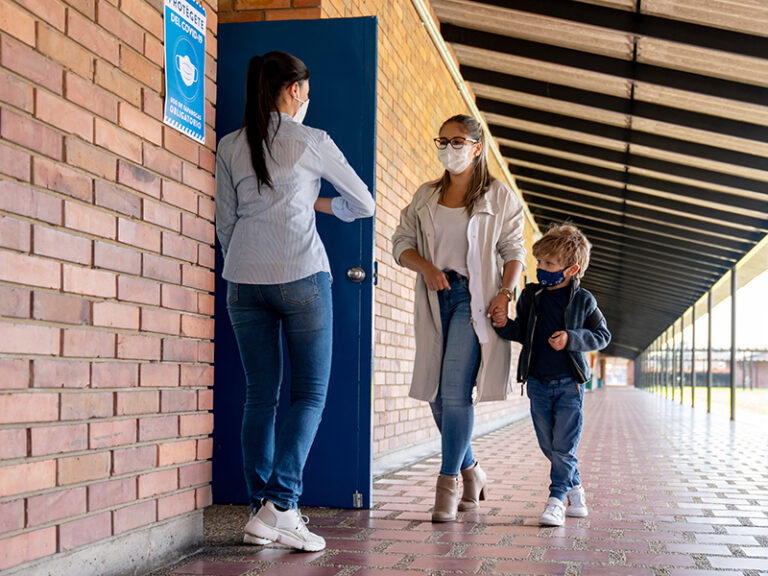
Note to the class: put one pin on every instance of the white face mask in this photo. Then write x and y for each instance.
(455, 161)
(302, 111)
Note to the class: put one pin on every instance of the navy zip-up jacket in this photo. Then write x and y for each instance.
(584, 322)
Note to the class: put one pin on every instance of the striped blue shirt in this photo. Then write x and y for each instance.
(271, 237)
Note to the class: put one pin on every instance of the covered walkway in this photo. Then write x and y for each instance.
(672, 492)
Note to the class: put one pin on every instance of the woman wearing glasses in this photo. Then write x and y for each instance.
(463, 235)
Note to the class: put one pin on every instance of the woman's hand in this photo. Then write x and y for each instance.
(434, 277)
(499, 305)
(324, 205)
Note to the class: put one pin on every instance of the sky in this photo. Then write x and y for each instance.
(751, 319)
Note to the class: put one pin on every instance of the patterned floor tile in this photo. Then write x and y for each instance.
(671, 491)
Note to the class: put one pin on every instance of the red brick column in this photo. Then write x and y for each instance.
(106, 279)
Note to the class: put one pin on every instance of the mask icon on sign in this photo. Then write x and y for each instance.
(186, 69)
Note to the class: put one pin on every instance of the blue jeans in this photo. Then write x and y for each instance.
(452, 409)
(558, 416)
(260, 313)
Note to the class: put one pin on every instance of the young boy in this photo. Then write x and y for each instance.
(557, 321)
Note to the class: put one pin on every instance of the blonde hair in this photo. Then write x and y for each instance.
(567, 243)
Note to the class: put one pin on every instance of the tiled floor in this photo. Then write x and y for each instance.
(672, 492)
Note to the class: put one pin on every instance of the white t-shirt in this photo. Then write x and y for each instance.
(451, 242)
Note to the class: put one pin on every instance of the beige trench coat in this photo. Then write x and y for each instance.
(495, 235)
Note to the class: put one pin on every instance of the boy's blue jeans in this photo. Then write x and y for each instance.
(260, 313)
(452, 409)
(558, 417)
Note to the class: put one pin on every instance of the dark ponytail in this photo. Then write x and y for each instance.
(268, 76)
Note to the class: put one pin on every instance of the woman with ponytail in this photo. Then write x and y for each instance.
(463, 235)
(278, 282)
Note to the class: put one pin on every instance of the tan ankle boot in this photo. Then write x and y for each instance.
(475, 487)
(446, 499)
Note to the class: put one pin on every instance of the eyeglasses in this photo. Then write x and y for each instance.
(456, 143)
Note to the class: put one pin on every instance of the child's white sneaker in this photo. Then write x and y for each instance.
(287, 527)
(554, 513)
(577, 503)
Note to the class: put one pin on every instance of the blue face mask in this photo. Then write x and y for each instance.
(550, 278)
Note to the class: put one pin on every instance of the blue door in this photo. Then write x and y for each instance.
(341, 57)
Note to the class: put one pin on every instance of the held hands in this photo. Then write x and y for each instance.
(435, 278)
(497, 311)
(559, 340)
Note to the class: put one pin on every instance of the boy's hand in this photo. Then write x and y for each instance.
(559, 340)
(498, 317)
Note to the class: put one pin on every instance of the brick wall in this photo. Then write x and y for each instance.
(410, 112)
(258, 10)
(106, 232)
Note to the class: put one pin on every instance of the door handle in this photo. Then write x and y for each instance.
(356, 274)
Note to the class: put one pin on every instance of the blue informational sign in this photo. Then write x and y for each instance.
(185, 67)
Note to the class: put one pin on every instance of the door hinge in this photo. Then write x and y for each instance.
(375, 273)
(357, 500)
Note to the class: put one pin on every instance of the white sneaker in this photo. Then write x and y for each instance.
(554, 513)
(254, 540)
(287, 527)
(577, 503)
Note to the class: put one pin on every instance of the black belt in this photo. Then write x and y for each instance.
(454, 276)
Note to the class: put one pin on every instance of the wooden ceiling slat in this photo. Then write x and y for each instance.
(748, 40)
(729, 225)
(702, 103)
(758, 199)
(541, 70)
(660, 243)
(651, 183)
(568, 101)
(692, 135)
(703, 61)
(598, 156)
(556, 153)
(632, 175)
(628, 5)
(555, 131)
(704, 164)
(749, 17)
(535, 27)
(551, 105)
(673, 227)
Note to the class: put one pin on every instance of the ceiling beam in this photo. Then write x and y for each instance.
(639, 242)
(579, 59)
(737, 224)
(726, 248)
(514, 155)
(535, 193)
(643, 25)
(639, 138)
(625, 297)
(641, 109)
(697, 195)
(657, 266)
(677, 287)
